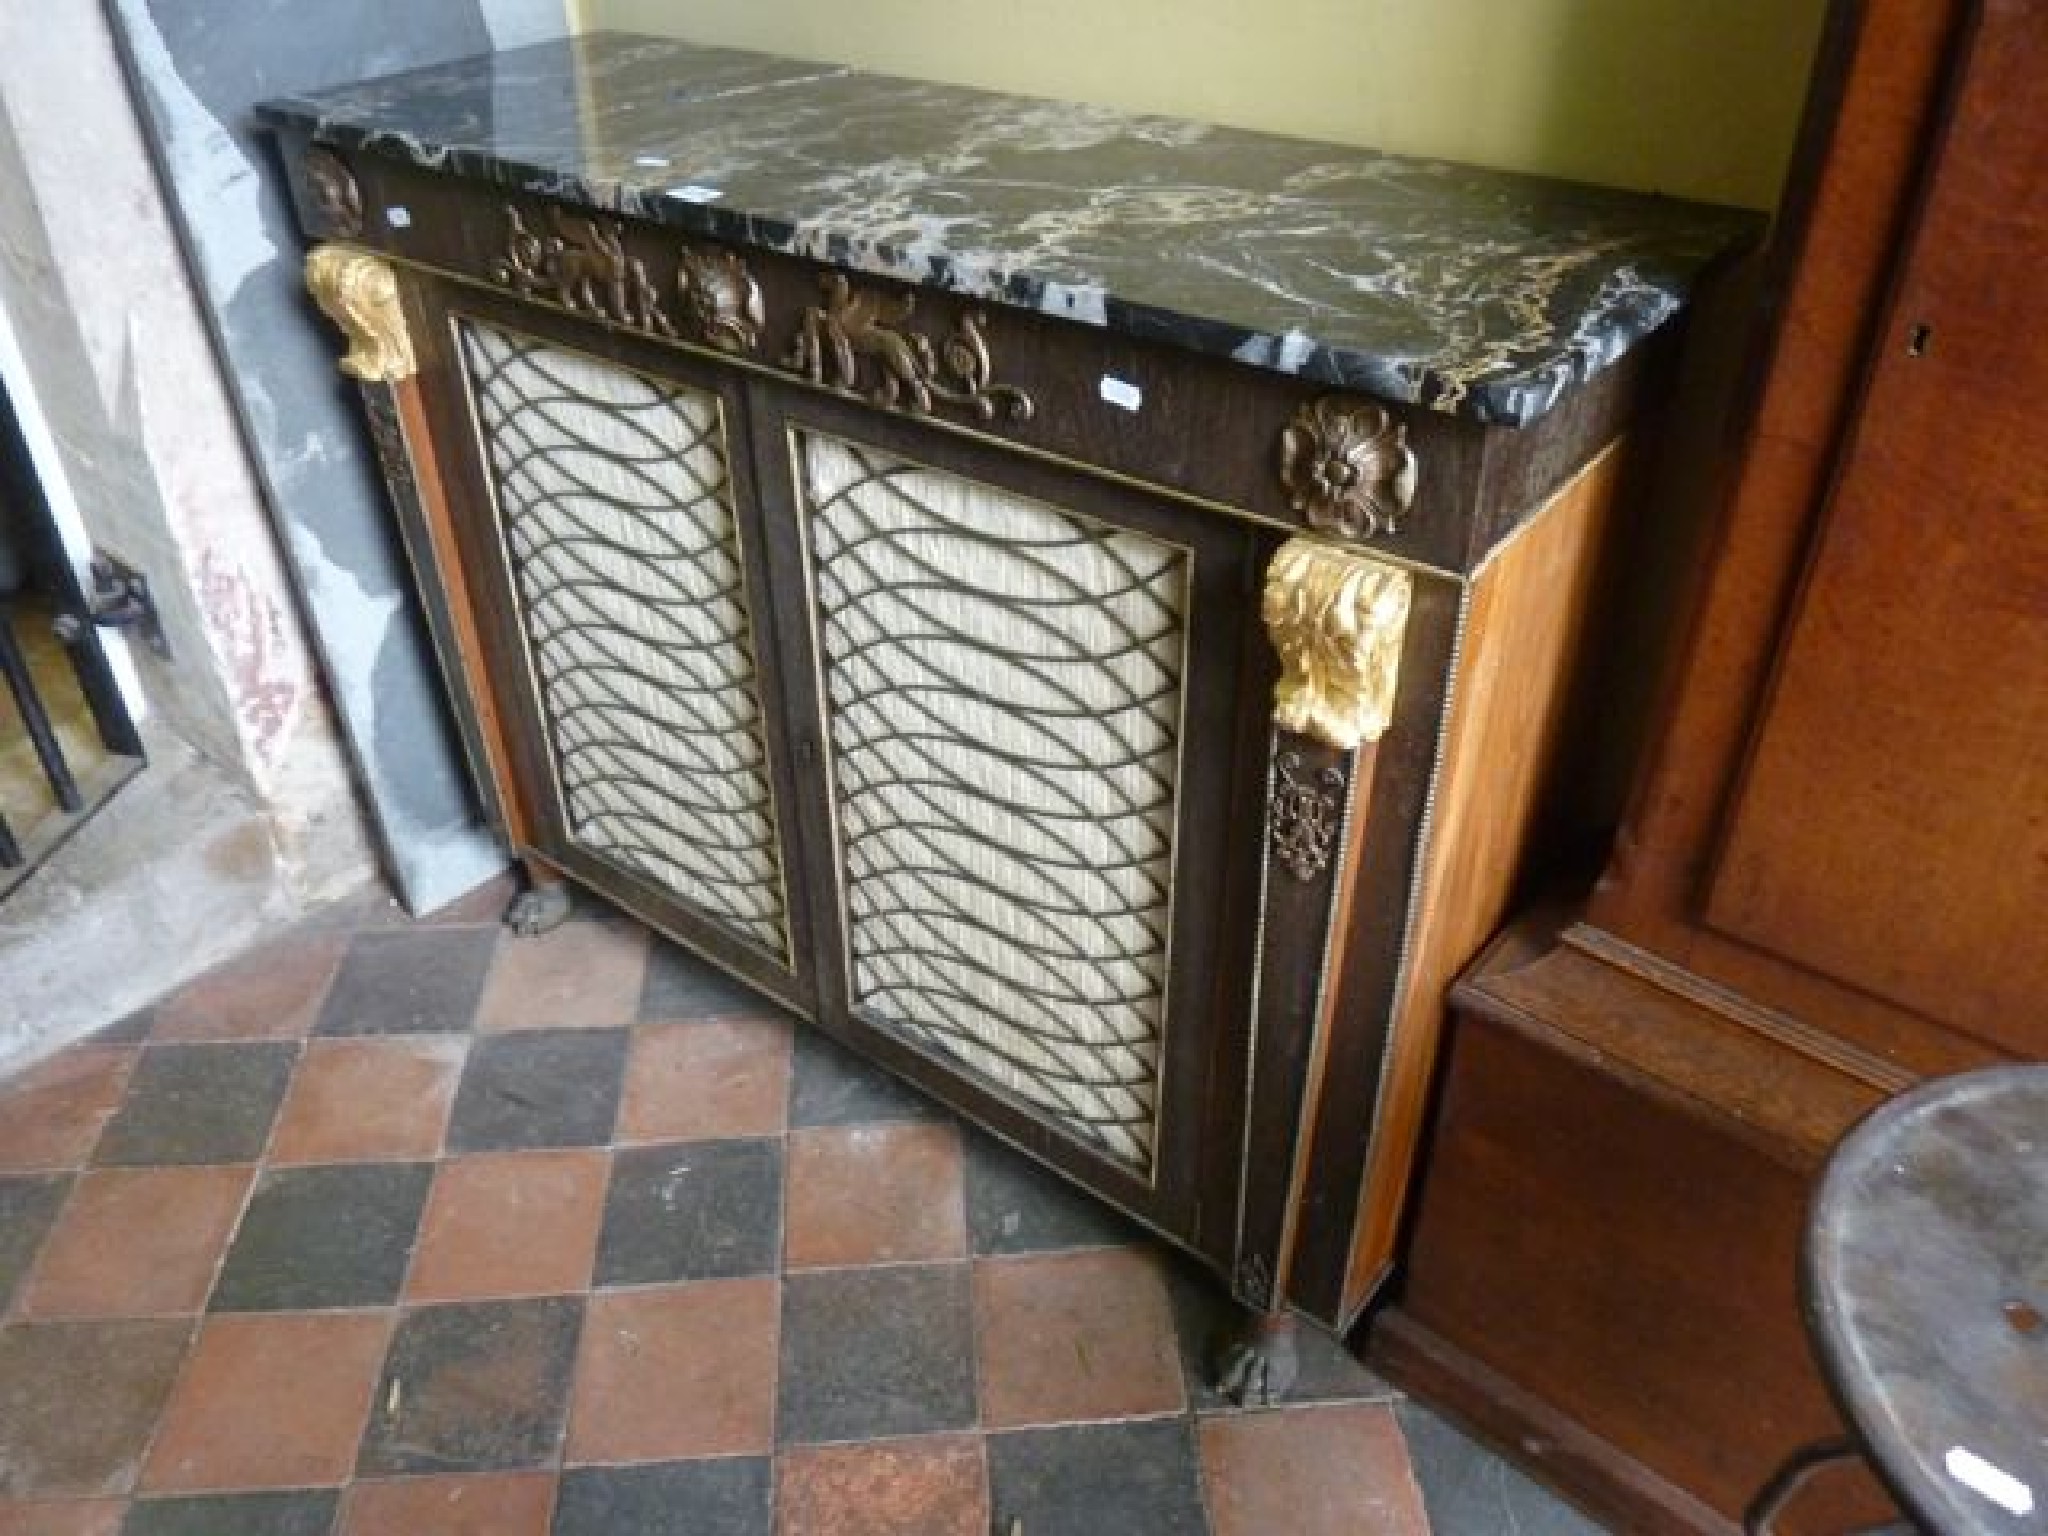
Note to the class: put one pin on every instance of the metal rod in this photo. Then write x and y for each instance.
(23, 685)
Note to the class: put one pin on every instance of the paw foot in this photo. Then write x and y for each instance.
(1256, 1367)
(538, 909)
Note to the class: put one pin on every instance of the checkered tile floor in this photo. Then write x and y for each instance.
(420, 1228)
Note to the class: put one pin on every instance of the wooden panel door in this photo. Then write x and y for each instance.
(1892, 828)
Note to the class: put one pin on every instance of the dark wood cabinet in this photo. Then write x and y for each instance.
(1108, 701)
(1830, 881)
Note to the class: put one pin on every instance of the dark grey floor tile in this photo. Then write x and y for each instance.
(28, 1205)
(324, 1237)
(302, 1512)
(1133, 1479)
(475, 1387)
(726, 1497)
(79, 1402)
(1204, 1316)
(129, 1031)
(829, 1085)
(198, 1104)
(680, 986)
(701, 1210)
(1466, 1487)
(543, 1088)
(409, 981)
(1016, 1206)
(868, 1353)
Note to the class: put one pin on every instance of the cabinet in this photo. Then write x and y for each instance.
(1829, 883)
(992, 575)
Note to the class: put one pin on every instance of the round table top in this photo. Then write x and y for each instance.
(1927, 1292)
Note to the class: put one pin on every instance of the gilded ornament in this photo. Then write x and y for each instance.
(331, 187)
(856, 342)
(721, 298)
(581, 264)
(1347, 467)
(1305, 816)
(359, 293)
(1337, 619)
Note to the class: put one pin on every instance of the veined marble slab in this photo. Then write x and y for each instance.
(1476, 292)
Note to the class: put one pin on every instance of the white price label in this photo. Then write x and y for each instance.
(1120, 392)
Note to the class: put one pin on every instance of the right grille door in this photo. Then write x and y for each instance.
(1003, 686)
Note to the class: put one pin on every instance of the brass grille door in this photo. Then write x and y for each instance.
(624, 554)
(1002, 684)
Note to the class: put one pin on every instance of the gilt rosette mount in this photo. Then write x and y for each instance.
(1347, 467)
(1337, 618)
(581, 263)
(337, 202)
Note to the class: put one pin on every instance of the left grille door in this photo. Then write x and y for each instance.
(632, 593)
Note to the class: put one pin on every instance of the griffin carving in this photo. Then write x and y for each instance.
(854, 342)
(582, 264)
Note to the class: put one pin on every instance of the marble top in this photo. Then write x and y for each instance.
(1476, 292)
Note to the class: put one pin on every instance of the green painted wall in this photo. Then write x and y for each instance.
(1696, 98)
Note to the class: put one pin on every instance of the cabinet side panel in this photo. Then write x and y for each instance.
(1003, 684)
(1528, 613)
(1890, 831)
(616, 514)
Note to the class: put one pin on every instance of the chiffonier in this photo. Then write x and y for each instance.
(1831, 881)
(1080, 607)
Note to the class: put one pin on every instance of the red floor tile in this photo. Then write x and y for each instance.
(132, 1242)
(676, 1371)
(585, 974)
(269, 1401)
(369, 1100)
(502, 1504)
(510, 1224)
(874, 1194)
(934, 1486)
(66, 1517)
(1075, 1336)
(52, 1114)
(271, 993)
(1324, 1471)
(707, 1081)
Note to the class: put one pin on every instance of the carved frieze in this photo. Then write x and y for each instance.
(857, 341)
(359, 293)
(1347, 468)
(582, 264)
(1305, 816)
(1337, 619)
(721, 299)
(337, 200)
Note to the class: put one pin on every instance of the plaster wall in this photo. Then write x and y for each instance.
(121, 369)
(1684, 97)
(197, 68)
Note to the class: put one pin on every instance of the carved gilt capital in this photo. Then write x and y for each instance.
(1337, 619)
(1347, 467)
(359, 293)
